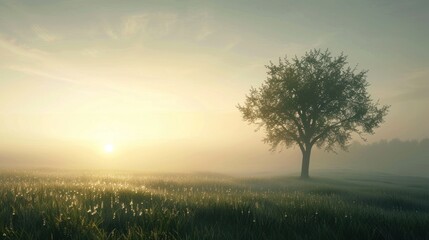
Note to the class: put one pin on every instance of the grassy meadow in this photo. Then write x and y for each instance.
(100, 205)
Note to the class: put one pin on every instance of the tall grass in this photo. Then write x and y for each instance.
(42, 205)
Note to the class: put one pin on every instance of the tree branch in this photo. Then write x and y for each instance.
(315, 139)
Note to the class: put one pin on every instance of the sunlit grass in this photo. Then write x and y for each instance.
(43, 205)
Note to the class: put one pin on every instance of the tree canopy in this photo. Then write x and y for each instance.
(313, 100)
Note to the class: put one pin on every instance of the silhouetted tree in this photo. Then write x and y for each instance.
(313, 100)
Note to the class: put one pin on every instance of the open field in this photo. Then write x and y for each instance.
(70, 205)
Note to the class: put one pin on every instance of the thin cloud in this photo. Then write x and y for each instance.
(11, 45)
(133, 24)
(204, 32)
(44, 34)
(204, 27)
(146, 25)
(91, 52)
(232, 43)
(40, 73)
(149, 24)
(111, 33)
(415, 87)
(38, 63)
(162, 24)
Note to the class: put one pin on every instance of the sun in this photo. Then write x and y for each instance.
(108, 148)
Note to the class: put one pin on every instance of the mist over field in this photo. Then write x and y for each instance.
(407, 158)
(398, 157)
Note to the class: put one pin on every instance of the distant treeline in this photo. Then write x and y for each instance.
(394, 156)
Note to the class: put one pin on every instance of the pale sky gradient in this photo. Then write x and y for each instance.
(160, 80)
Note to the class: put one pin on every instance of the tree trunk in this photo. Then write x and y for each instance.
(305, 163)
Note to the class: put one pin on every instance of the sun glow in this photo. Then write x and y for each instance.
(108, 148)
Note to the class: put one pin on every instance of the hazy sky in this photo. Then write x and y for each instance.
(160, 79)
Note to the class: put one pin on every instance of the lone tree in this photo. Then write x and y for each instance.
(313, 100)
